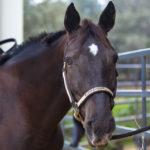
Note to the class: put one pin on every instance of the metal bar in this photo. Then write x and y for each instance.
(67, 118)
(133, 93)
(134, 53)
(67, 144)
(131, 66)
(122, 119)
(130, 118)
(63, 128)
(143, 75)
(120, 102)
(131, 83)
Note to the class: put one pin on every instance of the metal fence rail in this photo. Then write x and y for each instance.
(134, 53)
(143, 93)
(133, 93)
(127, 129)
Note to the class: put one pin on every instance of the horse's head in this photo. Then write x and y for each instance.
(91, 62)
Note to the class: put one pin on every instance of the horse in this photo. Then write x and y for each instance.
(34, 97)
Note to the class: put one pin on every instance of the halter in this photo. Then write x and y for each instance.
(77, 105)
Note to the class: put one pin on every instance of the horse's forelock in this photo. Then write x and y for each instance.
(88, 28)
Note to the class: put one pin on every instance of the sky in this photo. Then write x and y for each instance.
(102, 2)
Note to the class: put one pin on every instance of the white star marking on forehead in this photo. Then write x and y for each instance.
(93, 49)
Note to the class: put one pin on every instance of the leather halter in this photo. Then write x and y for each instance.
(76, 105)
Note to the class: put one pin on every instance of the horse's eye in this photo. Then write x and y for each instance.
(69, 60)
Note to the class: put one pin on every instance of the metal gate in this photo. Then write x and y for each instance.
(143, 94)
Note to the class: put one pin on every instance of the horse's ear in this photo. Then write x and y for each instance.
(107, 18)
(72, 19)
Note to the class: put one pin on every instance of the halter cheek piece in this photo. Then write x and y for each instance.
(76, 105)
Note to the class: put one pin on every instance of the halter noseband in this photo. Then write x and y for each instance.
(76, 105)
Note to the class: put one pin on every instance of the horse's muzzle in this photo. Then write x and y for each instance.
(99, 133)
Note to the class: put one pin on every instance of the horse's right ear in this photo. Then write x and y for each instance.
(72, 19)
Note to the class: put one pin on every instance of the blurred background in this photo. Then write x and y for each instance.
(26, 18)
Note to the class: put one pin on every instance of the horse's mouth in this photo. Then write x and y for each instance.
(100, 144)
(94, 142)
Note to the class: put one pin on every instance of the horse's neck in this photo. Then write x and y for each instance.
(41, 87)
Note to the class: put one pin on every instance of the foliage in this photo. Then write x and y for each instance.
(88, 9)
(132, 20)
(132, 25)
(47, 16)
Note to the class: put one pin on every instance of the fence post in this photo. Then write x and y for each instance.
(143, 76)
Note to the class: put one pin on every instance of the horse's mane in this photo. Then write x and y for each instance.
(43, 38)
(87, 28)
(51, 37)
(30, 41)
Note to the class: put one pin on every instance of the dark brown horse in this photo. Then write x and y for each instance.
(33, 98)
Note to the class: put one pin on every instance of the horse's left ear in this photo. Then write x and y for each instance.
(72, 19)
(107, 18)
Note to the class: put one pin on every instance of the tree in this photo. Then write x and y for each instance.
(132, 25)
(88, 9)
(47, 16)
(130, 32)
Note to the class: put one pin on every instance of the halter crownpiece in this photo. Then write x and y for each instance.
(76, 105)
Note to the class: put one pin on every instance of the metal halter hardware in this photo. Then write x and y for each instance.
(76, 105)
